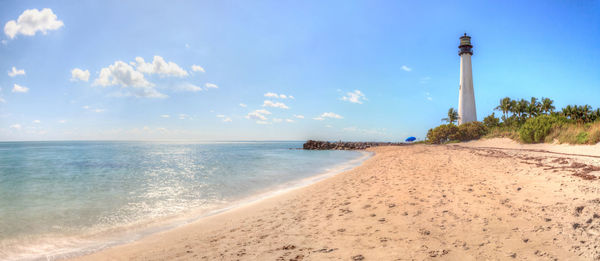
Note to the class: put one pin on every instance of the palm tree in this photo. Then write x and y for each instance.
(521, 108)
(547, 105)
(593, 117)
(504, 106)
(569, 112)
(585, 111)
(513, 107)
(533, 107)
(596, 114)
(452, 116)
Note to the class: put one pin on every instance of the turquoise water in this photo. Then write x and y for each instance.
(61, 198)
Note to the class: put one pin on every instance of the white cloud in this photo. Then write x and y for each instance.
(80, 75)
(188, 87)
(194, 88)
(220, 116)
(121, 73)
(280, 105)
(14, 72)
(62, 121)
(406, 68)
(263, 111)
(183, 116)
(330, 115)
(289, 120)
(262, 122)
(211, 86)
(19, 88)
(86, 107)
(165, 116)
(37, 121)
(99, 110)
(258, 115)
(278, 96)
(227, 119)
(197, 68)
(255, 116)
(355, 97)
(277, 120)
(2, 100)
(299, 116)
(243, 105)
(428, 96)
(15, 126)
(328, 126)
(271, 95)
(32, 21)
(160, 66)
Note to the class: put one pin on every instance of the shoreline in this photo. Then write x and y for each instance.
(174, 222)
(466, 202)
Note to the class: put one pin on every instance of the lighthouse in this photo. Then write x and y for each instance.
(466, 96)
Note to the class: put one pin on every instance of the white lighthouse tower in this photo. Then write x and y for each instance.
(466, 97)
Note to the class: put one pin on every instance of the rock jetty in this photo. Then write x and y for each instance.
(341, 145)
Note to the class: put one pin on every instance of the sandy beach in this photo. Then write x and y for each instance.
(484, 200)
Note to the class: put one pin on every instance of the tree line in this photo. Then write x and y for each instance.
(518, 111)
(523, 109)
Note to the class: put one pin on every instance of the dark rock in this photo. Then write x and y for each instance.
(578, 210)
(340, 145)
(288, 247)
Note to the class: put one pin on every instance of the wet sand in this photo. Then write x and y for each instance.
(491, 199)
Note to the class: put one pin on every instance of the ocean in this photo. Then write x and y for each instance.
(66, 198)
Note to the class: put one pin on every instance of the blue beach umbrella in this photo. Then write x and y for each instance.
(410, 139)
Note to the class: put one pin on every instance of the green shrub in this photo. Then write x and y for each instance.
(582, 138)
(536, 129)
(491, 121)
(512, 123)
(471, 131)
(442, 134)
(451, 133)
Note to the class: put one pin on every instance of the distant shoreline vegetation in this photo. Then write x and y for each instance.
(533, 121)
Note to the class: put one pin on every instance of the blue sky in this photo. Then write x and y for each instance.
(357, 70)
